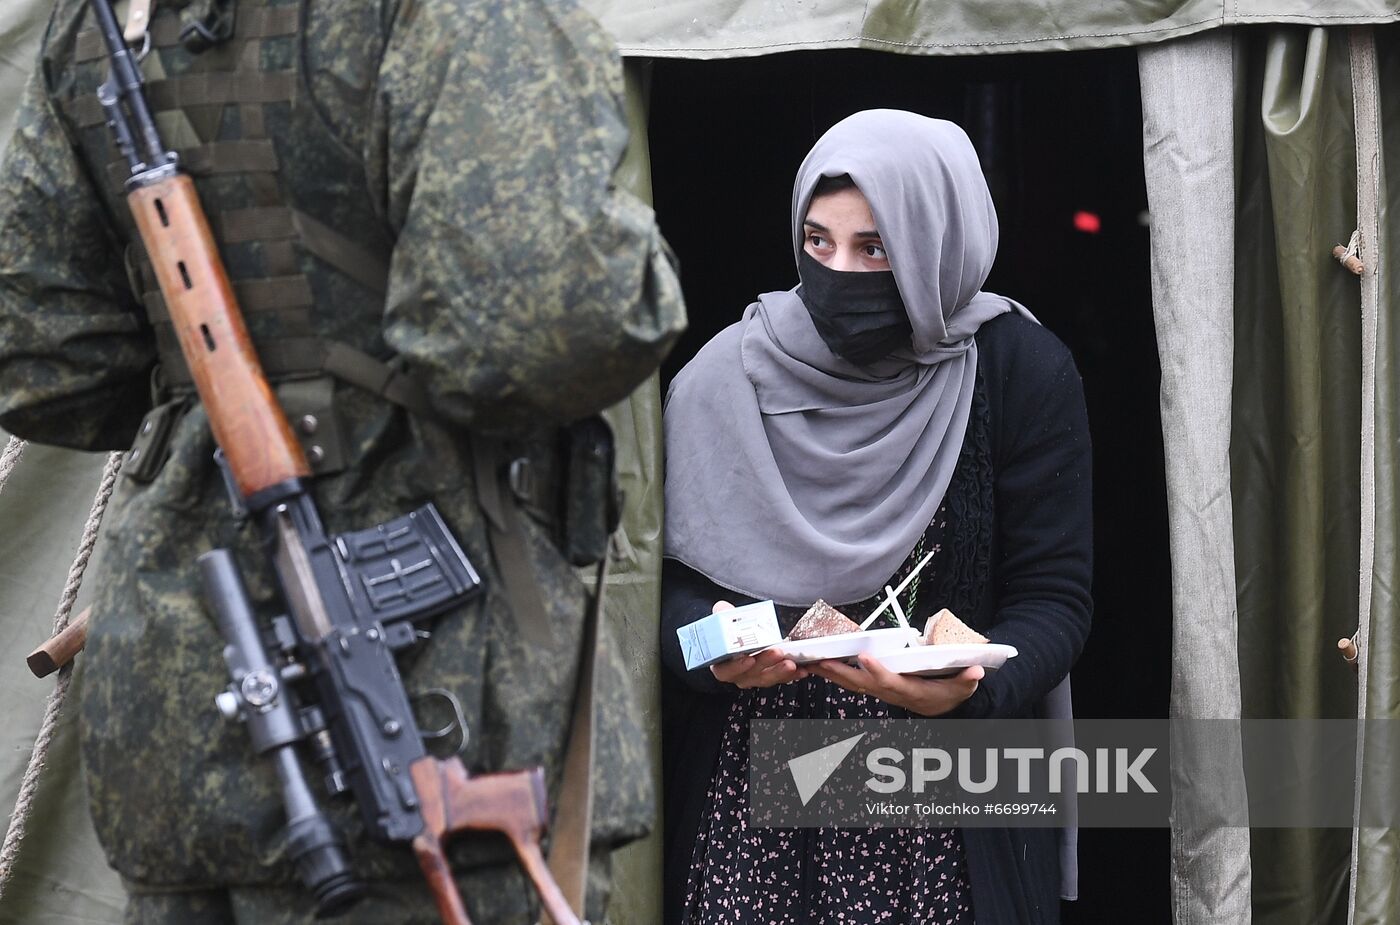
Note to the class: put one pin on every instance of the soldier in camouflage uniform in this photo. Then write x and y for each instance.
(402, 192)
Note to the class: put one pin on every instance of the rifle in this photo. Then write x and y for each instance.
(353, 600)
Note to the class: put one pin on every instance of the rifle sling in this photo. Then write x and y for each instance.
(508, 542)
(573, 817)
(302, 357)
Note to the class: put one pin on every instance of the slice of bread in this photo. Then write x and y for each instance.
(821, 619)
(943, 628)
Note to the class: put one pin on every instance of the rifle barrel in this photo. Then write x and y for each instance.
(126, 81)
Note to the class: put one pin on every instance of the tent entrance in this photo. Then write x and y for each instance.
(1060, 137)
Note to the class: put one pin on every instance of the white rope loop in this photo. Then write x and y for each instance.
(24, 803)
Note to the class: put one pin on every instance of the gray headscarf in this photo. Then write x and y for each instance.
(795, 475)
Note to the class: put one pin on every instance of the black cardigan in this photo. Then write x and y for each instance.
(1036, 597)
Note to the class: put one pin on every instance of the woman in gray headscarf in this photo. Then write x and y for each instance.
(883, 409)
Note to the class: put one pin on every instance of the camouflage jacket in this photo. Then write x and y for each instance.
(459, 155)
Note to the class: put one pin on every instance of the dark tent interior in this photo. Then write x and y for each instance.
(1060, 137)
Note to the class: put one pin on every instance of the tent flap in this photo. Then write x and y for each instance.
(1187, 145)
(1295, 451)
(742, 28)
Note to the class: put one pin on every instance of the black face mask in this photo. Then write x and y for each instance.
(859, 315)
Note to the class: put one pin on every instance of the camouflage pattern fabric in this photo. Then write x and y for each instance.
(468, 145)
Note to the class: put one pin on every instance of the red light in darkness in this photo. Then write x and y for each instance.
(1087, 222)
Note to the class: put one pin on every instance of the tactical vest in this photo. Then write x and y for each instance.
(229, 87)
(229, 93)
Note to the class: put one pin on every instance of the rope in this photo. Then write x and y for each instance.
(9, 459)
(24, 803)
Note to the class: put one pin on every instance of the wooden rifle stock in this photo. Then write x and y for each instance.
(510, 802)
(248, 424)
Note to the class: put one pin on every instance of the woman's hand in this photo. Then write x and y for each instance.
(766, 669)
(924, 696)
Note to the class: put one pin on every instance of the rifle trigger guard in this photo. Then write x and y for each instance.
(459, 719)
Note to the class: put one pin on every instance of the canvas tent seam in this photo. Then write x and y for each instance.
(1366, 116)
(1227, 14)
(647, 50)
(1309, 19)
(1044, 38)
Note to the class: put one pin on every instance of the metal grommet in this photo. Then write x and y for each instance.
(309, 424)
(316, 454)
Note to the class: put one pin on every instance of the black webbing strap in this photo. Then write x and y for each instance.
(283, 358)
(274, 223)
(202, 88)
(165, 31)
(360, 369)
(247, 155)
(281, 293)
(168, 347)
(305, 357)
(216, 157)
(364, 266)
(508, 542)
(260, 223)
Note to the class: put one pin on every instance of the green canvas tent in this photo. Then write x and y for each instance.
(1268, 128)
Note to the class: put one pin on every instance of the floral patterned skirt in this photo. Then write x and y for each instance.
(741, 875)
